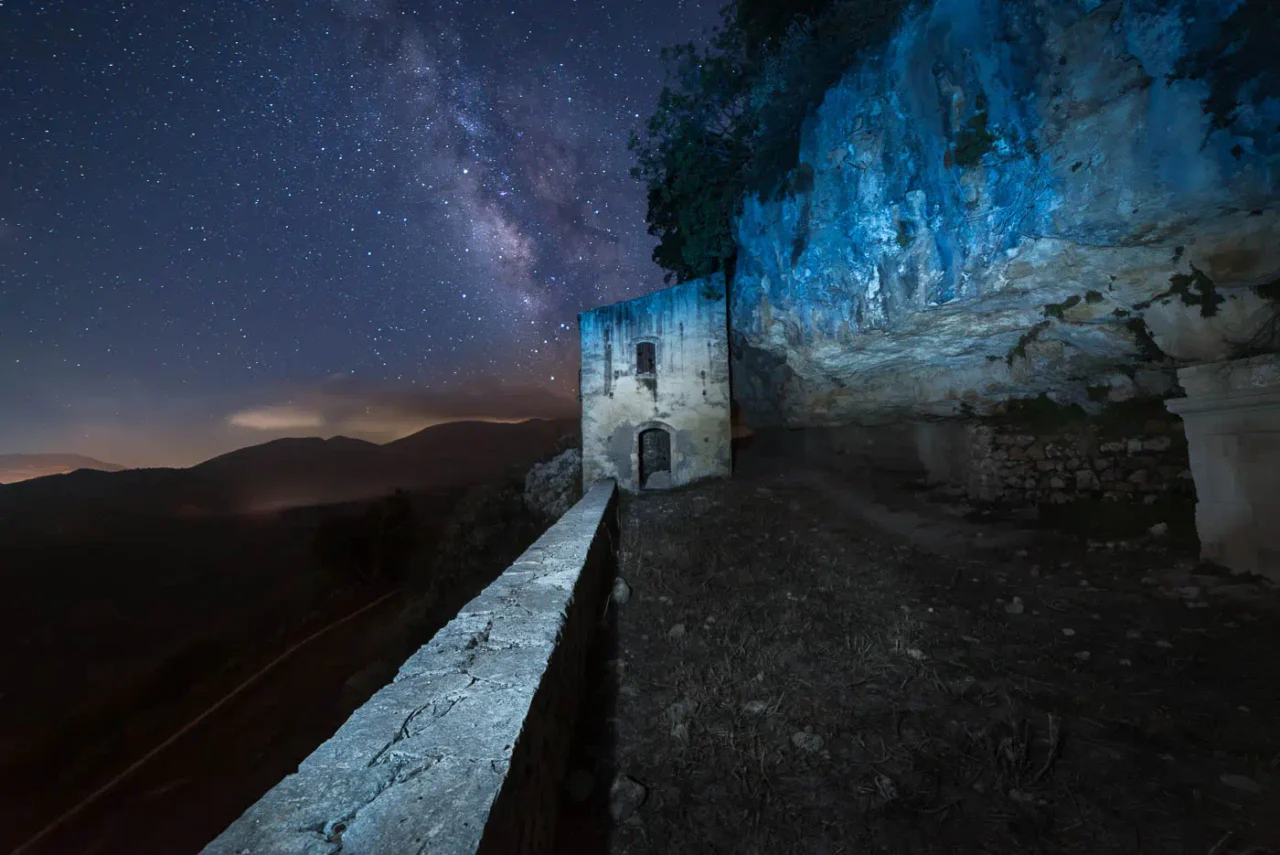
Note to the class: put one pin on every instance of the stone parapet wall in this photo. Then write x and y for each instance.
(464, 751)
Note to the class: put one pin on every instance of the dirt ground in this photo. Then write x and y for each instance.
(809, 664)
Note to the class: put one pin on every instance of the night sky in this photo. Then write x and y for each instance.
(223, 222)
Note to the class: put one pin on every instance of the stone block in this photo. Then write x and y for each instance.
(1231, 417)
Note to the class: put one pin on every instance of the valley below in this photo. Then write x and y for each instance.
(166, 667)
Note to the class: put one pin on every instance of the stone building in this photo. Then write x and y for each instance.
(655, 388)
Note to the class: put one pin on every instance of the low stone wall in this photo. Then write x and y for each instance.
(1142, 461)
(1011, 465)
(465, 750)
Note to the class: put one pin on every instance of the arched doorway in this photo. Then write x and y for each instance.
(655, 459)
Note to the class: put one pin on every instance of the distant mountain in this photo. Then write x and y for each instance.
(289, 473)
(22, 467)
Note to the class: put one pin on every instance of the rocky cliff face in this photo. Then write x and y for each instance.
(1013, 197)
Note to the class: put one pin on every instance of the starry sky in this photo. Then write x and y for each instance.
(226, 221)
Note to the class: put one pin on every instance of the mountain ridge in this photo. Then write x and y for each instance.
(292, 472)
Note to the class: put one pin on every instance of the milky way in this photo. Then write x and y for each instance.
(216, 216)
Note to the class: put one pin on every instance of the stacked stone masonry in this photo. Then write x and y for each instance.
(1080, 464)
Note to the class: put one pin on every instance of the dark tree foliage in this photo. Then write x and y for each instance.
(764, 23)
(728, 122)
(1242, 61)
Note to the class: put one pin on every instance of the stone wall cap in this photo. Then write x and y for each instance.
(1217, 378)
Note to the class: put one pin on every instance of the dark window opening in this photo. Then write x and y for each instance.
(655, 459)
(646, 358)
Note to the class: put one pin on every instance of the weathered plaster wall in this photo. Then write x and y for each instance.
(464, 752)
(998, 200)
(688, 394)
(1232, 416)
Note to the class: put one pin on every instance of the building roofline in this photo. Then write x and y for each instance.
(651, 294)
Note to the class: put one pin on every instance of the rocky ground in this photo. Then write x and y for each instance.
(806, 665)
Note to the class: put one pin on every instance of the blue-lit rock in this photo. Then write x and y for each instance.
(913, 278)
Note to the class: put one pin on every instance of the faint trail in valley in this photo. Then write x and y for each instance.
(186, 728)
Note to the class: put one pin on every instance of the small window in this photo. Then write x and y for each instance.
(646, 358)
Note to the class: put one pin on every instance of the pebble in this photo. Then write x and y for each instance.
(1240, 782)
(1083, 655)
(807, 741)
(1016, 607)
(1068, 631)
(621, 591)
(682, 710)
(626, 795)
(676, 631)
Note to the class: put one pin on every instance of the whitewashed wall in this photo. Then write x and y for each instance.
(688, 395)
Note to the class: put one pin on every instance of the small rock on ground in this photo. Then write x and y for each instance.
(626, 795)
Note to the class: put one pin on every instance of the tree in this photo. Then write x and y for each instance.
(728, 121)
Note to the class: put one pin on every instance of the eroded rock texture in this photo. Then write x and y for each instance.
(1014, 196)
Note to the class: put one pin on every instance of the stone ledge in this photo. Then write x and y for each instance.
(1235, 400)
(1240, 375)
(423, 765)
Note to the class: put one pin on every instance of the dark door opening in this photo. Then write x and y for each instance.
(655, 459)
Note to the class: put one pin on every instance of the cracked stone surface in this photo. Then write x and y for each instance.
(419, 766)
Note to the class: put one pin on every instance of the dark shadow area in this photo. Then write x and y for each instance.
(584, 824)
